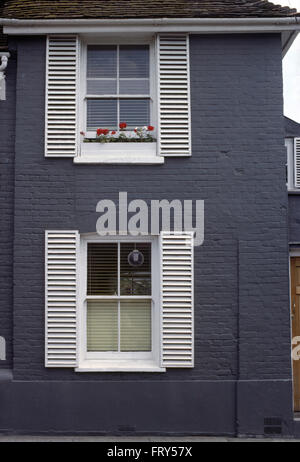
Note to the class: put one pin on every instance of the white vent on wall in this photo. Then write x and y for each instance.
(61, 96)
(297, 162)
(177, 299)
(61, 298)
(174, 95)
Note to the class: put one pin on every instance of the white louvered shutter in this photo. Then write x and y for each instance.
(297, 162)
(177, 299)
(174, 95)
(62, 249)
(61, 96)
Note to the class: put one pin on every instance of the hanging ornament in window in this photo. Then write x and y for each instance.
(135, 258)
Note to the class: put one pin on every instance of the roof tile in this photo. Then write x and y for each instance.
(116, 9)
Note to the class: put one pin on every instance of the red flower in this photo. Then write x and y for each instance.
(123, 125)
(150, 128)
(135, 130)
(113, 132)
(102, 131)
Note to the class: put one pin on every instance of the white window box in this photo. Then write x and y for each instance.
(118, 153)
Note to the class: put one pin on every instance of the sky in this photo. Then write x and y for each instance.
(291, 71)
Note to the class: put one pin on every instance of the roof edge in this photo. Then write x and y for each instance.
(216, 25)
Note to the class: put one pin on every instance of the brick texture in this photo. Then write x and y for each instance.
(237, 167)
(7, 140)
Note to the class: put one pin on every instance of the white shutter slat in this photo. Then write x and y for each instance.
(177, 299)
(174, 95)
(61, 96)
(297, 162)
(61, 255)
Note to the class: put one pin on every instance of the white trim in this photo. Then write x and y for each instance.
(118, 153)
(120, 159)
(114, 361)
(119, 366)
(117, 41)
(104, 26)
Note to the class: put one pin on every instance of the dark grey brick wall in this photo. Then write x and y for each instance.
(7, 156)
(237, 167)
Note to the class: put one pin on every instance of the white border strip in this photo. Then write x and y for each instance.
(214, 25)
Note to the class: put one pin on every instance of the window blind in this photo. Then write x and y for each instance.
(135, 329)
(102, 275)
(114, 73)
(102, 325)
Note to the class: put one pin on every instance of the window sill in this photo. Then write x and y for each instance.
(294, 191)
(118, 153)
(119, 366)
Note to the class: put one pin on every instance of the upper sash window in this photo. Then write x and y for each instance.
(118, 87)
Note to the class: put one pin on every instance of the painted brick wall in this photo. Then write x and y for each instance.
(237, 167)
(7, 141)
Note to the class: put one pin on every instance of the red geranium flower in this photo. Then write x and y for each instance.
(150, 128)
(99, 131)
(113, 132)
(105, 131)
(123, 125)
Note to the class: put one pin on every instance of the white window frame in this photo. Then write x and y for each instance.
(115, 361)
(152, 80)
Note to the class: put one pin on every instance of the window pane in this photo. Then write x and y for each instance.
(102, 87)
(135, 280)
(135, 325)
(135, 112)
(102, 277)
(102, 325)
(102, 61)
(134, 87)
(102, 113)
(134, 61)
